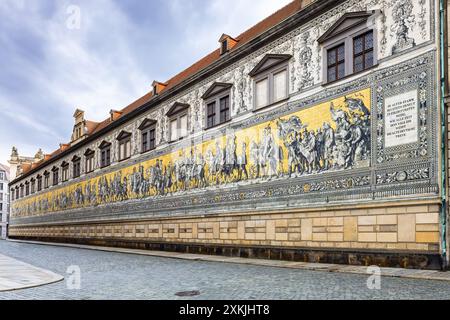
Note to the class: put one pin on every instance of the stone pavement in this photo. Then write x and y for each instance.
(118, 276)
(386, 272)
(15, 275)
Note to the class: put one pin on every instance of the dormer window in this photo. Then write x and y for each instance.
(114, 115)
(271, 80)
(158, 87)
(178, 119)
(226, 43)
(224, 46)
(349, 46)
(124, 139)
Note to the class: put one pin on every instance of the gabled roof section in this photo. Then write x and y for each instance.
(158, 87)
(176, 108)
(78, 112)
(216, 88)
(89, 152)
(227, 43)
(104, 144)
(123, 134)
(346, 22)
(269, 61)
(226, 37)
(147, 123)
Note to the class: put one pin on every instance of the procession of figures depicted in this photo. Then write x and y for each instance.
(287, 148)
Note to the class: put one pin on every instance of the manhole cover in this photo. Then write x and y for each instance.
(188, 293)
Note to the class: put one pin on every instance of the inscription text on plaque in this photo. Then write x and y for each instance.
(401, 119)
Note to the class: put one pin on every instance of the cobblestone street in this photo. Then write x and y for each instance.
(106, 275)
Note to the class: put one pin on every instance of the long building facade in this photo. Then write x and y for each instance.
(317, 135)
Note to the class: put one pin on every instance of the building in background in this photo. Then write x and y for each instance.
(317, 135)
(18, 163)
(4, 200)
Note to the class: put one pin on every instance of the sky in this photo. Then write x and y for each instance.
(57, 56)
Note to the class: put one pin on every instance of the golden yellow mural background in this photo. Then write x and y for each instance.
(314, 117)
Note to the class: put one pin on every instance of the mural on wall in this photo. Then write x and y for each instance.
(328, 137)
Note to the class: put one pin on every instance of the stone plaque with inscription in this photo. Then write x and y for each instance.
(401, 119)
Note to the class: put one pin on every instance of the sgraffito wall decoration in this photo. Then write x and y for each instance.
(374, 138)
(329, 137)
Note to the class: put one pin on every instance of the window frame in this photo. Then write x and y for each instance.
(65, 172)
(55, 176)
(46, 180)
(337, 63)
(33, 186)
(76, 167)
(178, 117)
(122, 141)
(216, 99)
(89, 158)
(105, 155)
(146, 130)
(347, 39)
(224, 46)
(39, 183)
(269, 76)
(364, 51)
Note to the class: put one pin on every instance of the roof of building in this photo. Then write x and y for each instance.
(244, 38)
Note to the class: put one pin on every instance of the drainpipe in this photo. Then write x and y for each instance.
(444, 155)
